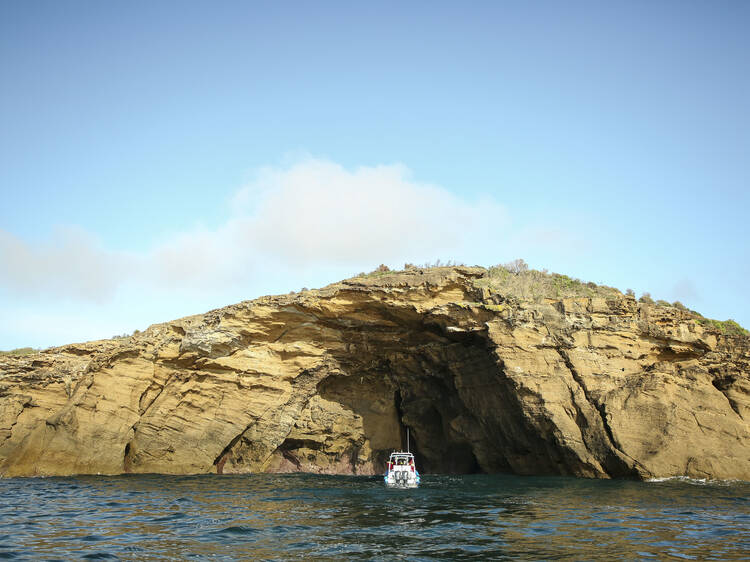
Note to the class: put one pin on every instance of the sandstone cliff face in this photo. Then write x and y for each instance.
(328, 380)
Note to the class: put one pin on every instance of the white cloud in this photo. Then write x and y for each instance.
(71, 264)
(314, 213)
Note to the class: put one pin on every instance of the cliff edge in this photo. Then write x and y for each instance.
(327, 381)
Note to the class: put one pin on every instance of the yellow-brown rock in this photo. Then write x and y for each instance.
(328, 380)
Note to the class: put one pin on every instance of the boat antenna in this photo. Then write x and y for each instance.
(407, 440)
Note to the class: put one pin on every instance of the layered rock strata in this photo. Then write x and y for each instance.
(327, 381)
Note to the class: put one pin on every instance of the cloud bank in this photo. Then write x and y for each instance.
(72, 264)
(313, 213)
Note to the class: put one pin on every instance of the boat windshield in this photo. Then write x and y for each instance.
(401, 459)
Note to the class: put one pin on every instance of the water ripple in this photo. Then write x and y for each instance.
(306, 516)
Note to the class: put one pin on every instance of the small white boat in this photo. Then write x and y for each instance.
(401, 471)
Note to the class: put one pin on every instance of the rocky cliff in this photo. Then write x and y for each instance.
(328, 380)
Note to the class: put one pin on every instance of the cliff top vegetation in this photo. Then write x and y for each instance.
(19, 351)
(516, 279)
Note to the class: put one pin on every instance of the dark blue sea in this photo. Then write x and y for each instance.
(299, 516)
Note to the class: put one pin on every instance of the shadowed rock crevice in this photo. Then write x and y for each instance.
(126, 463)
(612, 463)
(724, 385)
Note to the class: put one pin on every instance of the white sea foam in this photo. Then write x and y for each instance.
(696, 481)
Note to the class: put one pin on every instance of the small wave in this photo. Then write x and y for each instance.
(236, 530)
(89, 538)
(696, 481)
(171, 517)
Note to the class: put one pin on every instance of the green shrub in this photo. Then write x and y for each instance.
(733, 327)
(19, 351)
(646, 297)
(726, 327)
(515, 279)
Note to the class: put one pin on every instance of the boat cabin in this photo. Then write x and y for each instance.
(398, 460)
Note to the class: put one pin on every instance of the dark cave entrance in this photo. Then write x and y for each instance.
(448, 389)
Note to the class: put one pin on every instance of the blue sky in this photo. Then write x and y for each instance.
(158, 159)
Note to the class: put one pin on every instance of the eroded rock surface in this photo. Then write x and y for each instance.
(328, 380)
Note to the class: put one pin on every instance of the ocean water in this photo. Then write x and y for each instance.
(299, 516)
